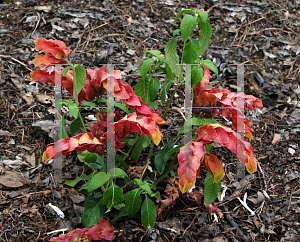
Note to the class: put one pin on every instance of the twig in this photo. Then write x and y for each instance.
(38, 22)
(7, 56)
(231, 222)
(264, 179)
(287, 212)
(227, 200)
(191, 222)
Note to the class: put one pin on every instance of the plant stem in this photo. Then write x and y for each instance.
(82, 122)
(131, 147)
(171, 167)
(148, 160)
(178, 84)
(167, 108)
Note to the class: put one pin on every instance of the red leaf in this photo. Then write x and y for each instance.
(213, 165)
(56, 50)
(79, 142)
(137, 123)
(190, 157)
(230, 139)
(101, 231)
(202, 85)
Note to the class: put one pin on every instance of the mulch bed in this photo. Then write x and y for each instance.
(264, 35)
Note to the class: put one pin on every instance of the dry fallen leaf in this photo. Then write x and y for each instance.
(12, 179)
(28, 98)
(77, 198)
(5, 133)
(44, 99)
(276, 138)
(30, 159)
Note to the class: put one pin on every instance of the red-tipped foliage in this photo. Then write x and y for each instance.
(56, 50)
(79, 142)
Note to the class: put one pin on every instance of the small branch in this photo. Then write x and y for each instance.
(7, 56)
(231, 222)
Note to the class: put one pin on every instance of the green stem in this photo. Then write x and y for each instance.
(82, 122)
(171, 167)
(167, 108)
(178, 84)
(148, 160)
(131, 147)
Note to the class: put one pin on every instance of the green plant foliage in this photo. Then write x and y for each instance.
(133, 202)
(113, 196)
(93, 210)
(148, 212)
(211, 189)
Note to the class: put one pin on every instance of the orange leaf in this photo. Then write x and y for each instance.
(190, 157)
(213, 165)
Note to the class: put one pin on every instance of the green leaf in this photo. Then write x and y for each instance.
(139, 182)
(120, 214)
(76, 124)
(93, 210)
(156, 53)
(211, 189)
(211, 121)
(132, 141)
(202, 16)
(121, 161)
(119, 206)
(102, 100)
(90, 104)
(191, 51)
(79, 80)
(161, 157)
(74, 110)
(154, 104)
(195, 121)
(119, 172)
(148, 212)
(197, 74)
(175, 32)
(85, 186)
(90, 158)
(208, 148)
(122, 107)
(146, 142)
(169, 73)
(210, 65)
(102, 163)
(97, 181)
(133, 202)
(72, 183)
(142, 143)
(187, 26)
(182, 12)
(113, 196)
(142, 89)
(172, 56)
(175, 149)
(63, 134)
(145, 67)
(206, 32)
(161, 59)
(154, 87)
(65, 71)
(165, 88)
(146, 187)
